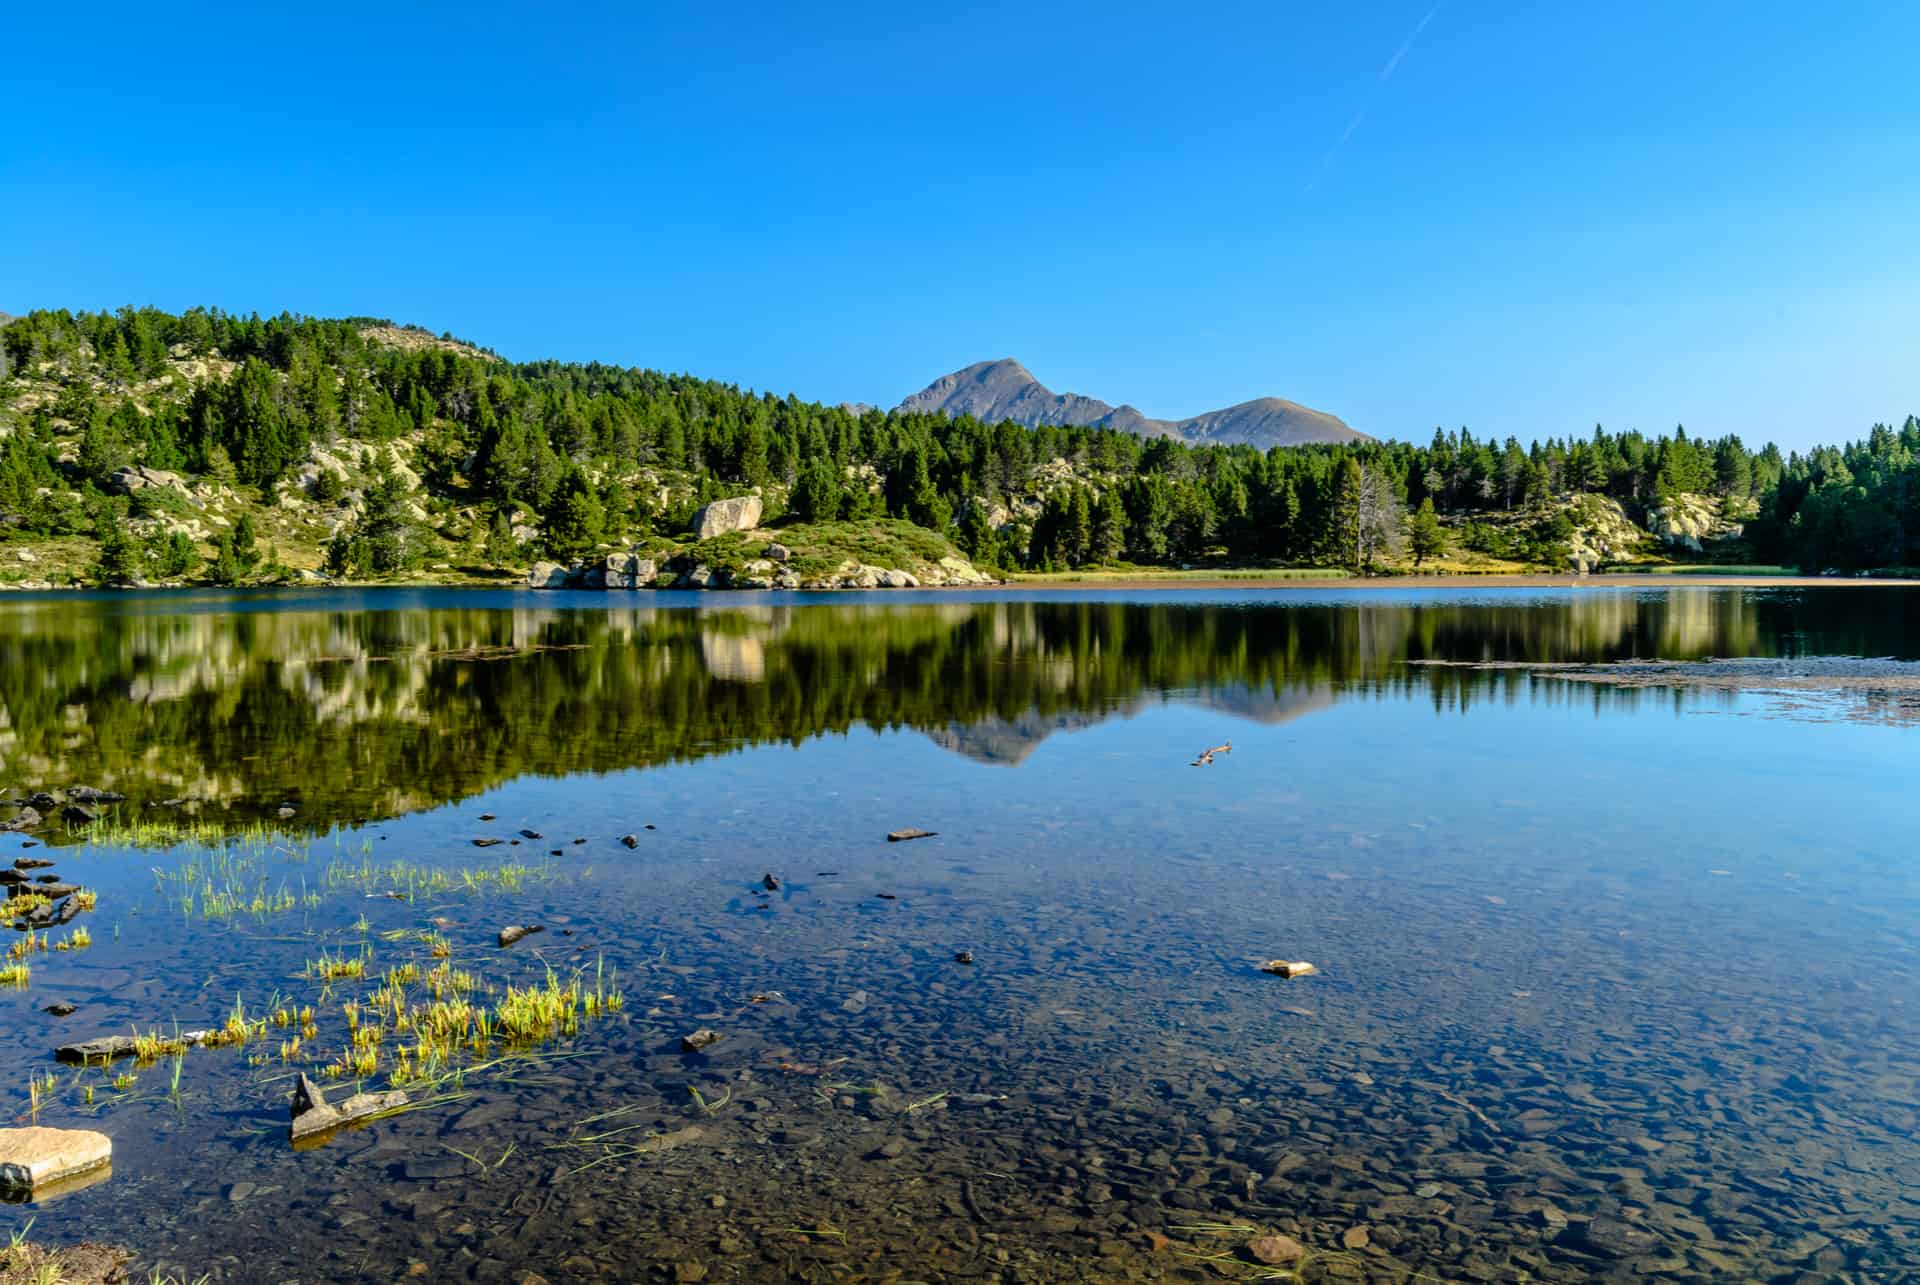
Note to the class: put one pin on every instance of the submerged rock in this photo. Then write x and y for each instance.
(62, 1009)
(28, 818)
(312, 1115)
(1274, 1250)
(88, 794)
(631, 840)
(75, 814)
(488, 843)
(699, 1040)
(963, 957)
(770, 882)
(1617, 1239)
(510, 935)
(33, 1159)
(901, 836)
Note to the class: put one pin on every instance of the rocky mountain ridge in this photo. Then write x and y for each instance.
(992, 391)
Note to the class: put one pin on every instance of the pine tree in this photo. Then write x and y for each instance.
(1423, 533)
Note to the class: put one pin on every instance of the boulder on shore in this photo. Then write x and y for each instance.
(723, 516)
(549, 575)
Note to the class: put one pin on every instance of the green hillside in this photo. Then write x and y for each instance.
(144, 446)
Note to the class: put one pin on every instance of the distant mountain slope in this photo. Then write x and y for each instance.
(992, 391)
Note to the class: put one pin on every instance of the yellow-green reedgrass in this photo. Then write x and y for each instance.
(16, 974)
(330, 967)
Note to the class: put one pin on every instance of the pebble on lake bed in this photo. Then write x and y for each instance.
(1289, 968)
(1274, 1250)
(33, 1159)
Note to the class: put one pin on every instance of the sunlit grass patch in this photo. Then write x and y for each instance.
(414, 881)
(330, 967)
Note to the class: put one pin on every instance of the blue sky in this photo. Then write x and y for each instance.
(1524, 219)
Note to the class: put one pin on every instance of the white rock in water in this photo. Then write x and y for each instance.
(1289, 968)
(36, 1158)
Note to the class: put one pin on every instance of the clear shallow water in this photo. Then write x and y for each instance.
(1614, 982)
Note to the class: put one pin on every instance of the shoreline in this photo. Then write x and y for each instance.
(1116, 583)
(1503, 580)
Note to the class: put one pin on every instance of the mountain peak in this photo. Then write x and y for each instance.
(1003, 389)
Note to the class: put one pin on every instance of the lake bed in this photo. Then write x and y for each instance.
(1614, 981)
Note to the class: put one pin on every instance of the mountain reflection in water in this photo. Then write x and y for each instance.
(367, 705)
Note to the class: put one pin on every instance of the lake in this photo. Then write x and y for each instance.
(1616, 980)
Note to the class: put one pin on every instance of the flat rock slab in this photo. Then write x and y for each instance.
(34, 1159)
(668, 1141)
(313, 1116)
(901, 836)
(104, 1049)
(1289, 968)
(510, 935)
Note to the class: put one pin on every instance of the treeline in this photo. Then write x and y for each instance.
(560, 443)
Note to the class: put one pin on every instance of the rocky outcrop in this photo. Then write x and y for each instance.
(138, 477)
(723, 516)
(614, 571)
(629, 571)
(1691, 522)
(622, 571)
(1602, 533)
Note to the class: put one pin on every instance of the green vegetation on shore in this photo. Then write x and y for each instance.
(206, 446)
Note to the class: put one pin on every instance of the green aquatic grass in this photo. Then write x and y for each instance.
(415, 881)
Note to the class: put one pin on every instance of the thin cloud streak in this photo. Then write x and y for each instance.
(1401, 52)
(1386, 74)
